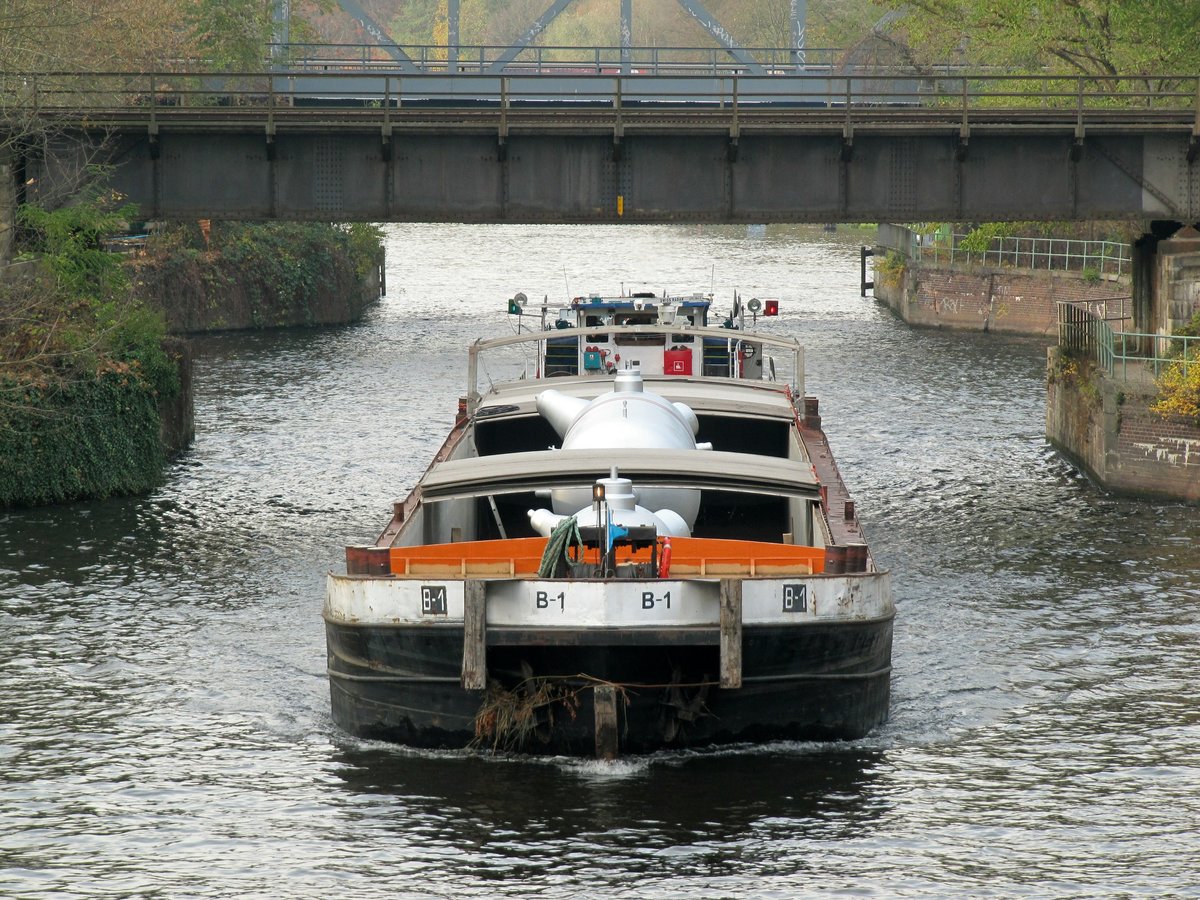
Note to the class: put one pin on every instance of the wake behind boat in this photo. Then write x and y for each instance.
(641, 542)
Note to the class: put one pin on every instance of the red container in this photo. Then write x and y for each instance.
(677, 362)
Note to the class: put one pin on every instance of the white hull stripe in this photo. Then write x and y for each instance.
(355, 599)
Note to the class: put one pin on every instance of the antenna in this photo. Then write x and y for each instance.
(712, 279)
(566, 282)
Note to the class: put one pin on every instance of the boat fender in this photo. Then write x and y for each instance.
(664, 560)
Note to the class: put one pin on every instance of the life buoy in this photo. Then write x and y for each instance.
(664, 560)
(747, 351)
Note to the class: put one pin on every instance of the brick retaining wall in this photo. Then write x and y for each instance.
(1018, 301)
(1105, 426)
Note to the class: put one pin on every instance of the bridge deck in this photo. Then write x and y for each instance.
(645, 149)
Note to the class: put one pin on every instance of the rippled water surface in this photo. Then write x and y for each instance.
(164, 711)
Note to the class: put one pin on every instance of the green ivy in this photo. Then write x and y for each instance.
(82, 366)
(87, 438)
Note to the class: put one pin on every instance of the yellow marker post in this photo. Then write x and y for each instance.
(620, 205)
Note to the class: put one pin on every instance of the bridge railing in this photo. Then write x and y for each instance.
(1085, 329)
(861, 95)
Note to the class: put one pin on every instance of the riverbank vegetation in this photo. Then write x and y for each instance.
(84, 376)
(1179, 383)
(85, 380)
(82, 365)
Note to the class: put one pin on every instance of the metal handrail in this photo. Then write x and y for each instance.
(790, 345)
(1082, 331)
(1106, 257)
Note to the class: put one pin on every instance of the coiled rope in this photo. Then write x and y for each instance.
(556, 561)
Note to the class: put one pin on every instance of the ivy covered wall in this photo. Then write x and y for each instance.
(235, 275)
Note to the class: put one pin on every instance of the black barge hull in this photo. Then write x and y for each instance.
(816, 681)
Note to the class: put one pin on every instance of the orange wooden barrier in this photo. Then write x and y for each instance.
(690, 557)
(515, 556)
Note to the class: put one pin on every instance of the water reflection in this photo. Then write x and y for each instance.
(664, 800)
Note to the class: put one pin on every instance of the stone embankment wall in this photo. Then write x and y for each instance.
(1177, 281)
(209, 293)
(178, 421)
(985, 298)
(1105, 426)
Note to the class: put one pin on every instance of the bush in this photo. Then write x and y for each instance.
(365, 246)
(980, 239)
(890, 270)
(1179, 389)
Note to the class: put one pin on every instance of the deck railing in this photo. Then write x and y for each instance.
(787, 367)
(1087, 332)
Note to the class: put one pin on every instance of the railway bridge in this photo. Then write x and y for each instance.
(600, 146)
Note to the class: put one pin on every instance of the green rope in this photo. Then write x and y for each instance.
(556, 562)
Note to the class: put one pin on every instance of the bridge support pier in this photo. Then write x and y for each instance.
(1165, 282)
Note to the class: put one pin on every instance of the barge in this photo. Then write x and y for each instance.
(637, 539)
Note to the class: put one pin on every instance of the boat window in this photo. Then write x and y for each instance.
(595, 322)
(641, 317)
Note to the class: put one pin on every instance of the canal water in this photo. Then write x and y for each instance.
(164, 710)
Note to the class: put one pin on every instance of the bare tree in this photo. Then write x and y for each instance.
(46, 46)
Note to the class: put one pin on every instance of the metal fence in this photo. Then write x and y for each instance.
(1048, 254)
(1087, 332)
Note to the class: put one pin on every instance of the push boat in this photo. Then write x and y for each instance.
(638, 541)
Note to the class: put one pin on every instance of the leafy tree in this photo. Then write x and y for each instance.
(39, 36)
(1089, 37)
(232, 34)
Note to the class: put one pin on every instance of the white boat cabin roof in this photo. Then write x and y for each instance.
(512, 472)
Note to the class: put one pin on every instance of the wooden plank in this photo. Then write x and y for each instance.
(474, 664)
(604, 699)
(731, 632)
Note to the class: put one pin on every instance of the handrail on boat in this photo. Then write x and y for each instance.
(538, 337)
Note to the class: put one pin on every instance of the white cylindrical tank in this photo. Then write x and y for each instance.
(628, 417)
